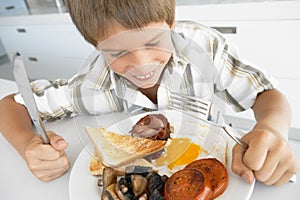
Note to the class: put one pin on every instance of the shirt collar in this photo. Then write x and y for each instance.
(129, 92)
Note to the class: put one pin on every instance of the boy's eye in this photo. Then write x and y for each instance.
(118, 54)
(152, 44)
(121, 53)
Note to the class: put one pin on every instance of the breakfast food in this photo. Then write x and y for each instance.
(97, 167)
(179, 152)
(153, 126)
(136, 183)
(216, 173)
(121, 162)
(189, 184)
(115, 150)
(202, 179)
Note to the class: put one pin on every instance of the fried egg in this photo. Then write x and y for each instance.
(180, 151)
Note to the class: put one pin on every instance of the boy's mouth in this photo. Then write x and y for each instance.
(144, 77)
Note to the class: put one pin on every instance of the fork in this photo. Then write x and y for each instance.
(201, 110)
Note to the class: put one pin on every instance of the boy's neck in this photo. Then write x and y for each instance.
(151, 93)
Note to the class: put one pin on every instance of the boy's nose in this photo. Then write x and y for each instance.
(140, 57)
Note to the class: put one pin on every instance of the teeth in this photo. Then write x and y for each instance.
(142, 77)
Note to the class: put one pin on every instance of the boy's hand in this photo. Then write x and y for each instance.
(269, 158)
(47, 161)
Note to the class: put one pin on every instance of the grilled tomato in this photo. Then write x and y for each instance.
(191, 184)
(215, 172)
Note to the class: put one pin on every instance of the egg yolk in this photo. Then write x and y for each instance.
(180, 151)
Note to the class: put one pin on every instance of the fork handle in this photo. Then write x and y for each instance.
(233, 134)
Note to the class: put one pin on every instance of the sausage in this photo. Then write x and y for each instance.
(152, 126)
(215, 172)
(191, 184)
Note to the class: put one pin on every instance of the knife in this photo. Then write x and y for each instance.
(25, 90)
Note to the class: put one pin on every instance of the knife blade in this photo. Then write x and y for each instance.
(25, 90)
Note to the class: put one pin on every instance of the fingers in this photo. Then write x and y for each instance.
(256, 153)
(57, 141)
(47, 161)
(238, 167)
(39, 163)
(283, 171)
(264, 172)
(283, 179)
(269, 159)
(36, 150)
(49, 174)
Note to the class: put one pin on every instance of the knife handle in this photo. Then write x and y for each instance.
(39, 125)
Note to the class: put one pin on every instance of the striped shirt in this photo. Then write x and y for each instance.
(202, 65)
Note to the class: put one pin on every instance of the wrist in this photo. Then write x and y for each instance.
(281, 131)
(24, 141)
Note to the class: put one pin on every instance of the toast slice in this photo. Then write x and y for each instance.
(115, 150)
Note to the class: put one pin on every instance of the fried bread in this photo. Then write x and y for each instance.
(116, 150)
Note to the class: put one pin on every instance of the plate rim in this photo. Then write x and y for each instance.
(84, 150)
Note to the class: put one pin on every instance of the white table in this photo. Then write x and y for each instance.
(17, 182)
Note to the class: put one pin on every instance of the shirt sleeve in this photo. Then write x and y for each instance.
(87, 92)
(238, 81)
(53, 99)
(57, 99)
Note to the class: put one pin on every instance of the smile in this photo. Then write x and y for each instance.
(145, 77)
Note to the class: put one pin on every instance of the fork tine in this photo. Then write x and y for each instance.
(186, 107)
(180, 102)
(184, 102)
(196, 113)
(191, 98)
(228, 130)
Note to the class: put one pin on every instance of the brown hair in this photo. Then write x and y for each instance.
(93, 18)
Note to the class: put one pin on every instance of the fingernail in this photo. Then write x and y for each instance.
(61, 142)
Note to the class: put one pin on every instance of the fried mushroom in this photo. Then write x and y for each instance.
(109, 177)
(110, 193)
(139, 184)
(124, 189)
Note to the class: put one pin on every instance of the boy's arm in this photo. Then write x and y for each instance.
(272, 112)
(16, 125)
(269, 158)
(46, 161)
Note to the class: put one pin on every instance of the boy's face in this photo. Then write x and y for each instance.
(139, 55)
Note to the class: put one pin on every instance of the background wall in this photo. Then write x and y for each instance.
(265, 32)
(193, 2)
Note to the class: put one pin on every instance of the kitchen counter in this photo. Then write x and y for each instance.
(17, 182)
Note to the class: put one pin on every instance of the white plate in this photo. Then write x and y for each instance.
(82, 185)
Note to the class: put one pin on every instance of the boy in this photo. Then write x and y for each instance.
(142, 54)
